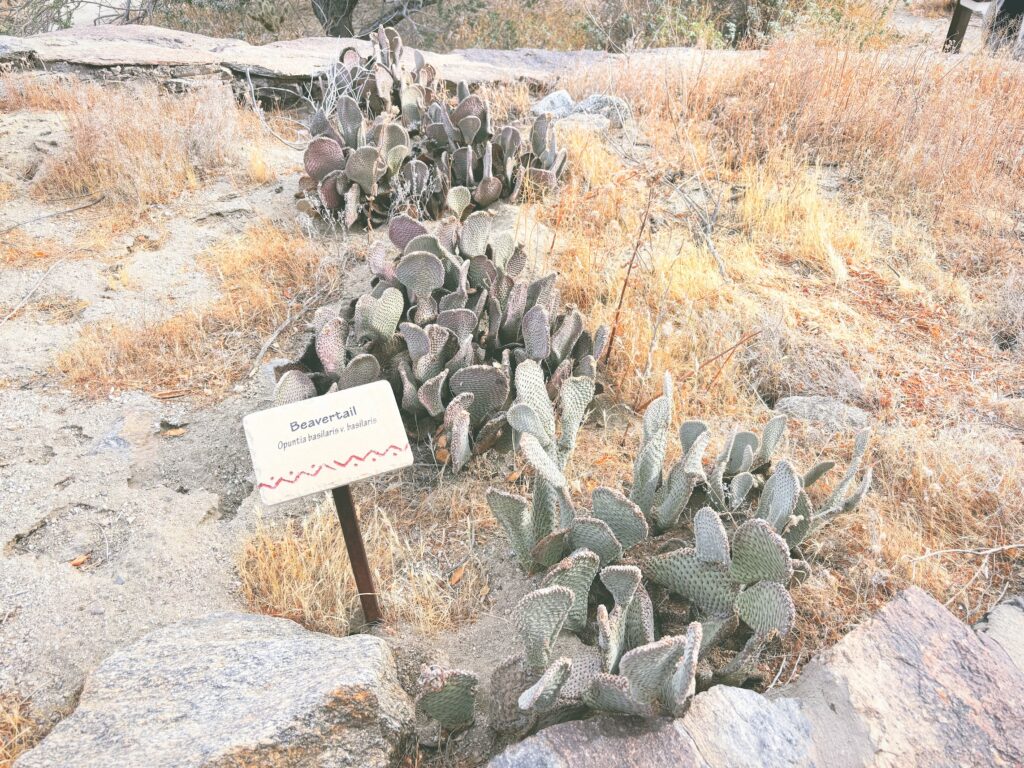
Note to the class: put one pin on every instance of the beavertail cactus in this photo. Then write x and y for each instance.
(386, 141)
(447, 696)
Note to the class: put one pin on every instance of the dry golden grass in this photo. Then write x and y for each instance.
(140, 146)
(19, 731)
(34, 90)
(421, 544)
(263, 274)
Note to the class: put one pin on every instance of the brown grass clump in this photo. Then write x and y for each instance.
(264, 274)
(19, 731)
(420, 545)
(141, 146)
(34, 90)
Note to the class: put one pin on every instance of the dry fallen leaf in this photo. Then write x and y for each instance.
(80, 560)
(442, 441)
(514, 476)
(485, 590)
(456, 575)
(442, 455)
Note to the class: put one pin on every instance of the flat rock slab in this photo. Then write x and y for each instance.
(183, 54)
(913, 687)
(236, 689)
(292, 60)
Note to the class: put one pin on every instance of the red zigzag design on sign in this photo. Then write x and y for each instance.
(354, 457)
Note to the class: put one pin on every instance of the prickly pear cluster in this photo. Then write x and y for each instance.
(734, 580)
(387, 141)
(455, 327)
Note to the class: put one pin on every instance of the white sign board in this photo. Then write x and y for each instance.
(325, 442)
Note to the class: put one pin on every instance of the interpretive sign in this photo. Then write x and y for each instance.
(323, 442)
(326, 443)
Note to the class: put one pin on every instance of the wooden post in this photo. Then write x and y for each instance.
(957, 29)
(357, 553)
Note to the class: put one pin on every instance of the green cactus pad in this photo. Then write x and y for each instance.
(818, 471)
(622, 516)
(575, 396)
(542, 695)
(771, 436)
(536, 333)
(611, 693)
(539, 617)
(706, 584)
(640, 620)
(595, 535)
(759, 554)
(712, 544)
(779, 496)
(766, 607)
(447, 696)
(292, 387)
(420, 272)
(678, 689)
(577, 572)
(513, 512)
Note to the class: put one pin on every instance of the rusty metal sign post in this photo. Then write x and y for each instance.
(328, 443)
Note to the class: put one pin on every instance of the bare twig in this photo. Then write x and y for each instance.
(973, 552)
(282, 327)
(51, 215)
(629, 272)
(34, 288)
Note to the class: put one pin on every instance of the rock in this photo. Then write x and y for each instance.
(605, 742)
(1004, 628)
(184, 54)
(725, 727)
(832, 413)
(236, 689)
(557, 104)
(612, 107)
(581, 122)
(734, 726)
(913, 686)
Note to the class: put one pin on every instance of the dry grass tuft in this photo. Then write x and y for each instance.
(141, 146)
(19, 731)
(35, 91)
(421, 546)
(263, 274)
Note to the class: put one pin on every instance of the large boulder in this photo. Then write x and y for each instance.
(236, 689)
(913, 686)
